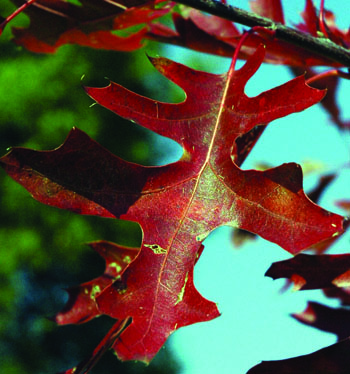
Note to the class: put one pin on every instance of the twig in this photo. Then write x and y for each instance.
(323, 47)
(14, 14)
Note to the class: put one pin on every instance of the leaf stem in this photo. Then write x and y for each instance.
(107, 342)
(14, 14)
(243, 38)
(322, 20)
(238, 47)
(329, 73)
(323, 47)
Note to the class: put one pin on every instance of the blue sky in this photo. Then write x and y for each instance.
(255, 324)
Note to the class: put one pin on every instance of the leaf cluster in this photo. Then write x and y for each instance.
(147, 284)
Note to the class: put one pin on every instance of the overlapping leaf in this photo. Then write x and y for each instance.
(322, 317)
(179, 204)
(311, 25)
(334, 359)
(54, 23)
(314, 271)
(342, 294)
(93, 24)
(212, 34)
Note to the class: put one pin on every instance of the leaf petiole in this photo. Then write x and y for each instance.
(107, 342)
(14, 14)
(329, 73)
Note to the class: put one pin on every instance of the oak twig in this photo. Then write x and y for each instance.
(322, 46)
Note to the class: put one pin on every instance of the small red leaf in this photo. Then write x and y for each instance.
(318, 271)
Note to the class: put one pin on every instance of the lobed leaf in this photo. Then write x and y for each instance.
(179, 204)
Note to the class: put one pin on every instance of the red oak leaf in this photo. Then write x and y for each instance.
(54, 23)
(313, 271)
(322, 317)
(334, 359)
(179, 204)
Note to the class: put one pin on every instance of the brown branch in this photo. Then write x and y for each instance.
(322, 46)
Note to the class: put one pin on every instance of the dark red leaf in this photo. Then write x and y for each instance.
(54, 23)
(322, 317)
(334, 359)
(313, 271)
(179, 204)
(342, 294)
